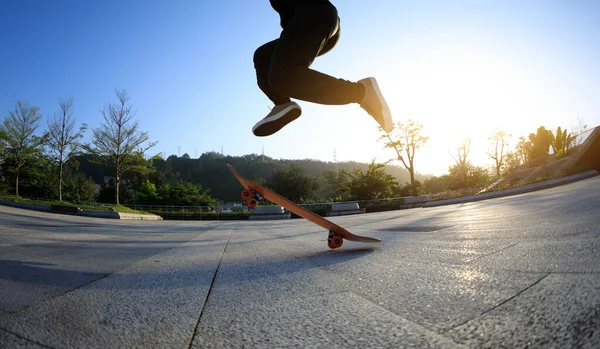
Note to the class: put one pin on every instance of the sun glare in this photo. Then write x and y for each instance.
(458, 92)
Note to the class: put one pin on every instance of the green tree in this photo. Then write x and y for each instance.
(405, 139)
(38, 178)
(21, 143)
(183, 193)
(374, 184)
(147, 194)
(293, 183)
(467, 175)
(540, 143)
(63, 138)
(561, 142)
(77, 187)
(336, 181)
(119, 138)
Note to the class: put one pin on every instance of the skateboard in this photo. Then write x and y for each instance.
(254, 192)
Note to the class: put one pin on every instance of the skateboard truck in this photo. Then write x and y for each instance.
(251, 197)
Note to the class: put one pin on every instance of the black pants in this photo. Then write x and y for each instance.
(282, 65)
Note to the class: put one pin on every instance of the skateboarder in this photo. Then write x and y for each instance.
(310, 28)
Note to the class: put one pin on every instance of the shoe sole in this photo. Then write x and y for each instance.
(387, 115)
(268, 126)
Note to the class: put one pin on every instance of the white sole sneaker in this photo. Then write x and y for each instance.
(277, 119)
(386, 122)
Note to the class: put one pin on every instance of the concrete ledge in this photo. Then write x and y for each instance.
(350, 206)
(514, 191)
(119, 215)
(141, 217)
(268, 210)
(258, 217)
(416, 199)
(343, 209)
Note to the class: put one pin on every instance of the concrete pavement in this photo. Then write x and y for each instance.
(518, 271)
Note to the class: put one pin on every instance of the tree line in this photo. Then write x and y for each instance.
(114, 167)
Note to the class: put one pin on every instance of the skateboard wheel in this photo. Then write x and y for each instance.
(246, 194)
(252, 203)
(335, 241)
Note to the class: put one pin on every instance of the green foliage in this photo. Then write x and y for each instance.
(436, 184)
(469, 176)
(37, 178)
(561, 142)
(21, 144)
(540, 143)
(107, 193)
(147, 194)
(293, 183)
(77, 187)
(374, 184)
(119, 141)
(185, 194)
(335, 185)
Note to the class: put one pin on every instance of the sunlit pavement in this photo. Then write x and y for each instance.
(511, 272)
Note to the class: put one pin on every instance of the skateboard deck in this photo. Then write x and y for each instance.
(253, 192)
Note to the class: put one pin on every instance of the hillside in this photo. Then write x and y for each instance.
(210, 171)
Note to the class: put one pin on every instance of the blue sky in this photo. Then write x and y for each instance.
(462, 68)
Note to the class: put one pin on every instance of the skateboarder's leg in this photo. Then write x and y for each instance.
(262, 65)
(309, 33)
(283, 71)
(284, 111)
(313, 31)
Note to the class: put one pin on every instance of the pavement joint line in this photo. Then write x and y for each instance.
(24, 338)
(55, 296)
(501, 303)
(212, 283)
(429, 331)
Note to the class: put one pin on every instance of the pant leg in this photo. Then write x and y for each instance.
(314, 24)
(262, 65)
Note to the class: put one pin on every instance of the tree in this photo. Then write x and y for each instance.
(21, 144)
(63, 138)
(540, 143)
(522, 150)
(293, 183)
(561, 142)
(375, 184)
(406, 139)
(499, 141)
(461, 168)
(116, 142)
(336, 183)
(467, 175)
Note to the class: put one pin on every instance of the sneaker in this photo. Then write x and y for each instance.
(279, 116)
(375, 104)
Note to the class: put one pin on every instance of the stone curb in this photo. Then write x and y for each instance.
(514, 191)
(25, 206)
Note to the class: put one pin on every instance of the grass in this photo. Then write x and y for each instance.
(101, 208)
